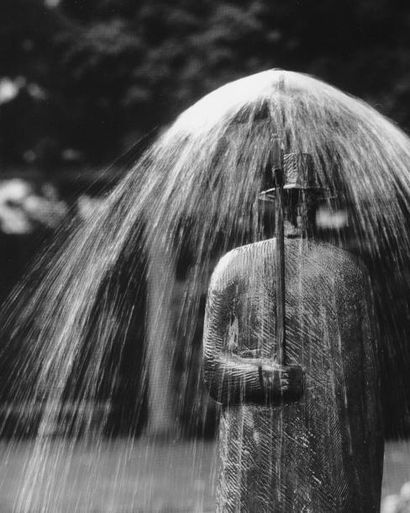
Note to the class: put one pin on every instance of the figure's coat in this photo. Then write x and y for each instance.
(324, 452)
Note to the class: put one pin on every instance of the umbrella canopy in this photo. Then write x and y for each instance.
(198, 187)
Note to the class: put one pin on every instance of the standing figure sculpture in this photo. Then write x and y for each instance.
(304, 434)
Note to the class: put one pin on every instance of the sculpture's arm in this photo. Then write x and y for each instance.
(233, 380)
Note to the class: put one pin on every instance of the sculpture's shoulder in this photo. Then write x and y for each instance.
(317, 260)
(324, 262)
(238, 265)
(345, 263)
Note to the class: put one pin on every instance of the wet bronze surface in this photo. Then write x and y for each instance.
(324, 452)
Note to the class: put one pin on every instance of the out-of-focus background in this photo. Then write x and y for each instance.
(82, 82)
(86, 85)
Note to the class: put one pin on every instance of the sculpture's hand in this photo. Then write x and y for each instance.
(282, 383)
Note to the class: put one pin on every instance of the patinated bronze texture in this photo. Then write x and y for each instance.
(322, 453)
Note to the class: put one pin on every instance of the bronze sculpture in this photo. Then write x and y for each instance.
(304, 435)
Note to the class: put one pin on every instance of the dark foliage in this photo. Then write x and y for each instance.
(96, 75)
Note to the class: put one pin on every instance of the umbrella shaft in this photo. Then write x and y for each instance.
(280, 269)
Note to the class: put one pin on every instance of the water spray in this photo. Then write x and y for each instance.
(324, 452)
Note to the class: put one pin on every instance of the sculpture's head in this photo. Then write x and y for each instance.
(303, 194)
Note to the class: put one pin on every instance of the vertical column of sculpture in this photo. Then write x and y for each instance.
(281, 450)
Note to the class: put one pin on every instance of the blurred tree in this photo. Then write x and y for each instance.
(26, 63)
(96, 75)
